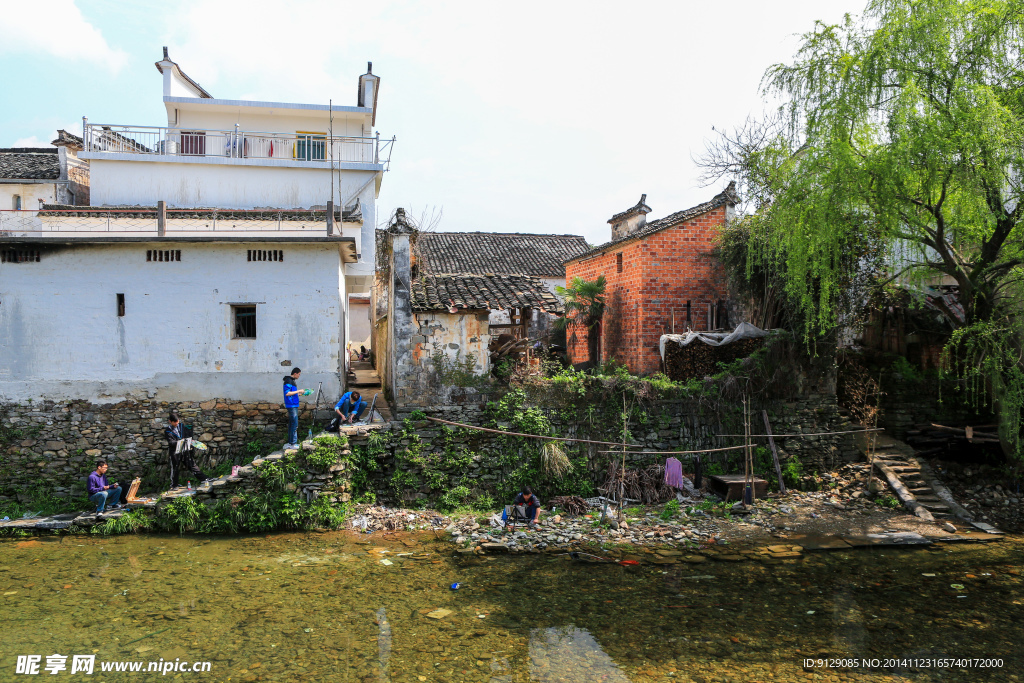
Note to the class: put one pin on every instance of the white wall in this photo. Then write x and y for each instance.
(228, 186)
(359, 324)
(30, 193)
(60, 336)
(253, 119)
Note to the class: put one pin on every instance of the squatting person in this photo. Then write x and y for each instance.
(350, 407)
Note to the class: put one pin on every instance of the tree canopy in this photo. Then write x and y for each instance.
(902, 129)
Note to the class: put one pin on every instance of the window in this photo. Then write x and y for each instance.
(16, 202)
(618, 262)
(120, 305)
(244, 317)
(265, 255)
(162, 255)
(19, 256)
(193, 142)
(310, 146)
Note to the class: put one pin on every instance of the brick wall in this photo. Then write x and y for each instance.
(660, 273)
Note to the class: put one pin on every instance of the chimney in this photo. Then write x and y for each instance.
(629, 221)
(368, 87)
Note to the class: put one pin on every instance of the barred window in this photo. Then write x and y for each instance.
(162, 255)
(266, 255)
(19, 256)
(244, 318)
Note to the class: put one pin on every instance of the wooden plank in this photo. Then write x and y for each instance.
(775, 452)
(905, 496)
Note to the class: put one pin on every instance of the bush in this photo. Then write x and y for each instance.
(327, 451)
(670, 510)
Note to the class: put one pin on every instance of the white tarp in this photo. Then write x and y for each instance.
(742, 331)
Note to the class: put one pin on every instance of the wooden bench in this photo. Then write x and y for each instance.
(731, 486)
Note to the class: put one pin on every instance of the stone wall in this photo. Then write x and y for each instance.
(55, 445)
(673, 424)
(909, 401)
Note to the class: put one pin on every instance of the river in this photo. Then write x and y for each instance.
(337, 607)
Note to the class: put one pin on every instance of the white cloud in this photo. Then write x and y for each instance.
(31, 141)
(57, 28)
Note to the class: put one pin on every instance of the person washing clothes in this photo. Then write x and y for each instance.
(350, 407)
(291, 404)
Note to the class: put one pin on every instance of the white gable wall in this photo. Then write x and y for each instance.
(64, 340)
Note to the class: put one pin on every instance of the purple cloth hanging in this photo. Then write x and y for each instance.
(674, 473)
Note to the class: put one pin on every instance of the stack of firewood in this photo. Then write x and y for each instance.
(699, 360)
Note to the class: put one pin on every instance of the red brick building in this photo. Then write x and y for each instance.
(661, 278)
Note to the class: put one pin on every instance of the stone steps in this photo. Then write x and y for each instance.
(894, 455)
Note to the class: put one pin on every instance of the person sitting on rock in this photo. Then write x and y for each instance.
(532, 504)
(104, 495)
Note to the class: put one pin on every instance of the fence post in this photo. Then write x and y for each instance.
(161, 218)
(330, 218)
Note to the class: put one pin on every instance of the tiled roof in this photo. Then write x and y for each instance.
(641, 207)
(67, 139)
(29, 163)
(495, 252)
(481, 292)
(726, 196)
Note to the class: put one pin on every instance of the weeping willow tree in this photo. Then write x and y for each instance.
(905, 125)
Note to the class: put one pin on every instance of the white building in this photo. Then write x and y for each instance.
(33, 176)
(218, 252)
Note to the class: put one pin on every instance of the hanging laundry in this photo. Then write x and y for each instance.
(674, 473)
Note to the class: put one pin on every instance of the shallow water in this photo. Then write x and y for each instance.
(326, 607)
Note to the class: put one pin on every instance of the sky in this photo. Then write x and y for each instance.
(541, 117)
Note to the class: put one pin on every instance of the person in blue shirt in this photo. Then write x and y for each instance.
(350, 407)
(291, 404)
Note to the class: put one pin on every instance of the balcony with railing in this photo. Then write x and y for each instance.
(159, 224)
(179, 144)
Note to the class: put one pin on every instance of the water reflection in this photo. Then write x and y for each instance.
(323, 607)
(570, 655)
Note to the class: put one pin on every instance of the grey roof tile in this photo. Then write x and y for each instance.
(726, 196)
(482, 292)
(495, 252)
(29, 163)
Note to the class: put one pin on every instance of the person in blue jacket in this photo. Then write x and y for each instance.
(291, 404)
(350, 407)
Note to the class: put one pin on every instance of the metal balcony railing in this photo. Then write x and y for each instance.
(236, 144)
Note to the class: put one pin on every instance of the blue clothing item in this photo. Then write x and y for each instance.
(102, 498)
(96, 483)
(293, 424)
(346, 407)
(290, 401)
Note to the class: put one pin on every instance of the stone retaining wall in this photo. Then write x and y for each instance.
(56, 444)
(675, 424)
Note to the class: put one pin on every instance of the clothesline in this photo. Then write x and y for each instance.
(632, 445)
(703, 450)
(786, 436)
(534, 436)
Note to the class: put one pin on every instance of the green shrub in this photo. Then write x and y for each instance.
(453, 498)
(327, 451)
(670, 510)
